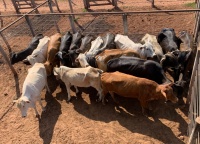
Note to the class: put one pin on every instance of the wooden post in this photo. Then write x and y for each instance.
(51, 9)
(71, 19)
(152, 4)
(196, 27)
(30, 25)
(50, 6)
(71, 8)
(125, 24)
(57, 6)
(34, 5)
(15, 6)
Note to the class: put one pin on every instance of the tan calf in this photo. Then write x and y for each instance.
(105, 56)
(53, 48)
(134, 87)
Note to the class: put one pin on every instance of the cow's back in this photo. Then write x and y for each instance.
(138, 67)
(105, 56)
(36, 78)
(127, 85)
(82, 77)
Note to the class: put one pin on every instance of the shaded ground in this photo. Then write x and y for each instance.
(83, 120)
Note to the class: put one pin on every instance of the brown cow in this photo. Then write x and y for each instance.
(53, 48)
(105, 56)
(134, 87)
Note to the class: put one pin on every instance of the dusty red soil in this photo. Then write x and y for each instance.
(83, 120)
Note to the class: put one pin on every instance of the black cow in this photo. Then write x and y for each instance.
(16, 57)
(76, 41)
(67, 58)
(66, 41)
(138, 67)
(85, 44)
(176, 61)
(168, 40)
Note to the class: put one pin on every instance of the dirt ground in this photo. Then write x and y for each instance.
(83, 120)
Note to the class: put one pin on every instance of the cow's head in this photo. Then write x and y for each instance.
(49, 67)
(168, 40)
(23, 104)
(167, 92)
(147, 51)
(31, 59)
(72, 55)
(82, 60)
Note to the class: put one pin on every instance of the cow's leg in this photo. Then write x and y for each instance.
(68, 91)
(144, 105)
(40, 102)
(97, 86)
(76, 89)
(113, 96)
(36, 112)
(47, 88)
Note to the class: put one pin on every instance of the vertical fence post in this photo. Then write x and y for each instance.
(71, 19)
(71, 8)
(51, 9)
(29, 24)
(7, 60)
(125, 23)
(196, 27)
(6, 42)
(50, 6)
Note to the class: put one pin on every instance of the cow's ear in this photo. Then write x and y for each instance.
(55, 73)
(164, 94)
(160, 37)
(188, 55)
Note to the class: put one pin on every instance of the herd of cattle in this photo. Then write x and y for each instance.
(110, 64)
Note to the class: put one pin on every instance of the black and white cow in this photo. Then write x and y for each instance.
(16, 57)
(76, 41)
(168, 40)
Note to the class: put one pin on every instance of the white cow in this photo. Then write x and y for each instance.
(34, 83)
(95, 45)
(39, 55)
(145, 51)
(82, 60)
(156, 46)
(81, 77)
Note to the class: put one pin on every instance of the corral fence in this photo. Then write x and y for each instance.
(17, 35)
(194, 90)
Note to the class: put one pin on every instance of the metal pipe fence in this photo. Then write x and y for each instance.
(194, 100)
